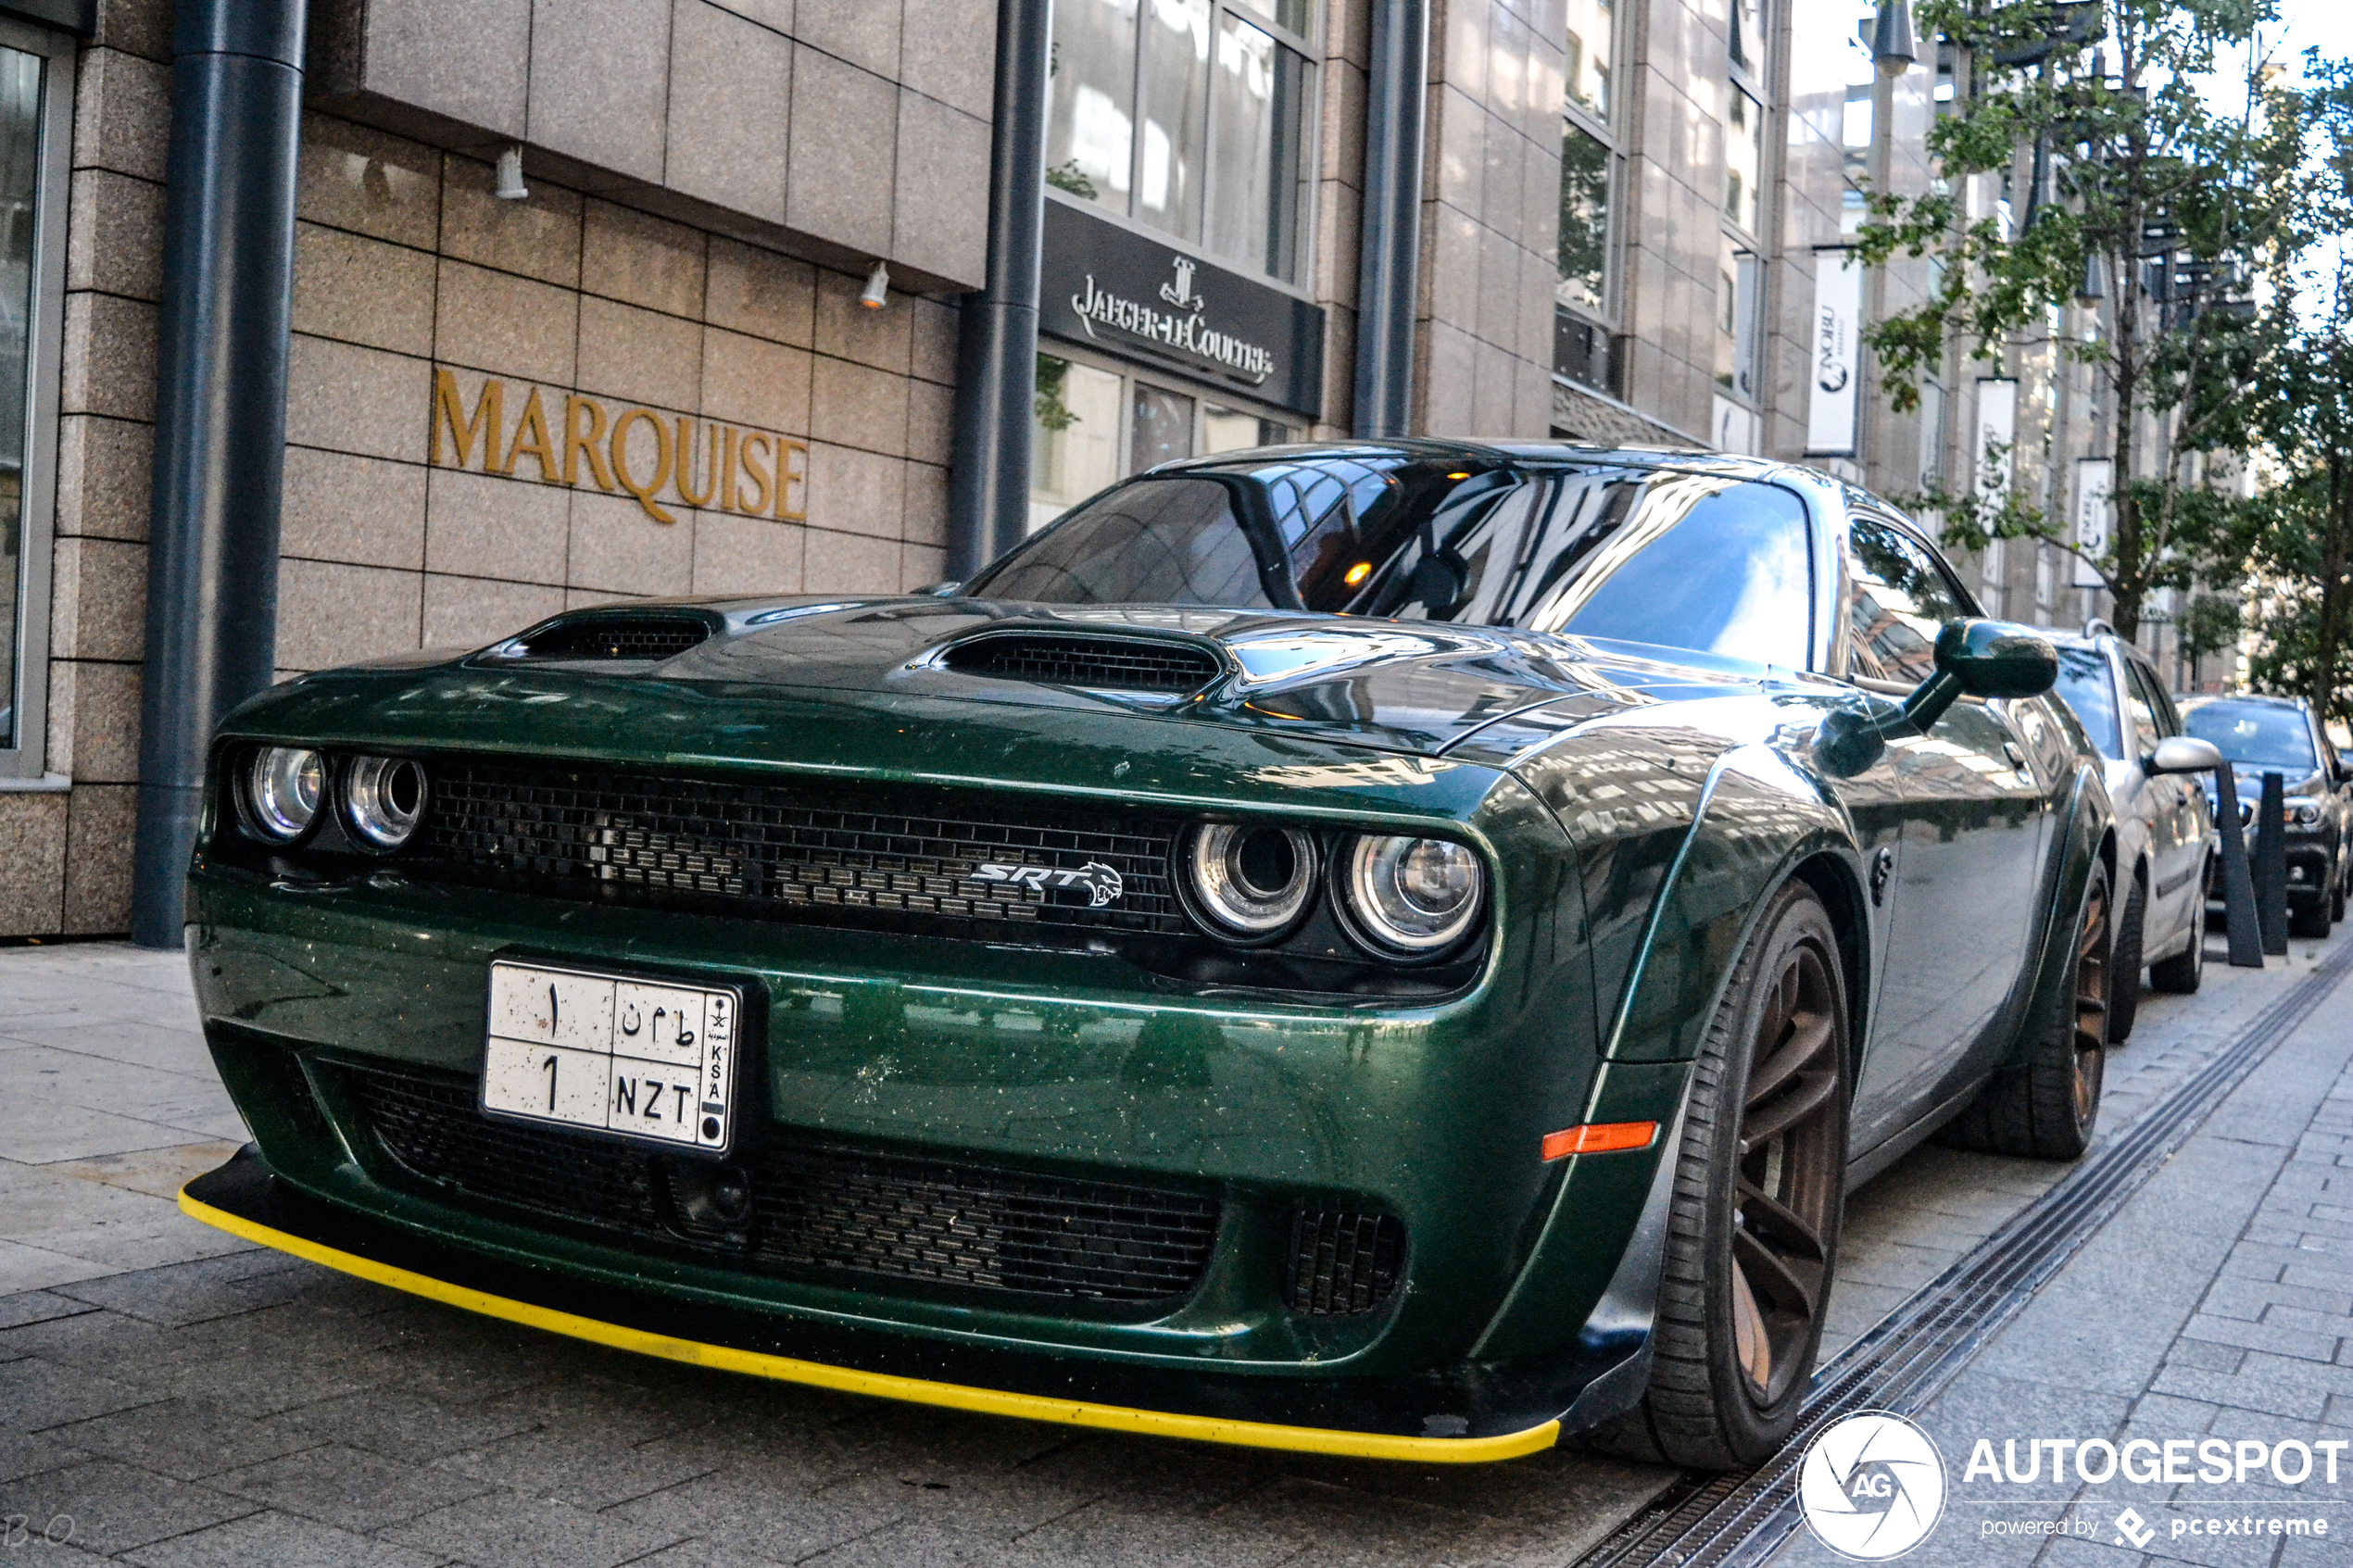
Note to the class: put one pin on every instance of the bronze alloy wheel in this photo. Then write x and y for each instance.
(1759, 1185)
(2046, 1109)
(1785, 1195)
(2092, 964)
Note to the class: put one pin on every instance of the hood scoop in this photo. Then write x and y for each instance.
(644, 638)
(1155, 666)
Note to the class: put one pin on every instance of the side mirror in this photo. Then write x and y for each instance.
(2182, 754)
(1982, 658)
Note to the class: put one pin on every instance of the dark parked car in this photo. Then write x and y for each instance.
(1394, 949)
(2281, 734)
(2165, 835)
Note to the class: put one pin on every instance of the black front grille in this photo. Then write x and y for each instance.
(1343, 1262)
(817, 1208)
(816, 852)
(1128, 664)
(634, 636)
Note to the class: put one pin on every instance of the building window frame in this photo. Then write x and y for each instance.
(1581, 332)
(1749, 53)
(1308, 46)
(25, 760)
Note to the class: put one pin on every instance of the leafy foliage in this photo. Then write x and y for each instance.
(2119, 172)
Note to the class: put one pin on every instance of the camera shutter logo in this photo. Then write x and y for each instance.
(1872, 1487)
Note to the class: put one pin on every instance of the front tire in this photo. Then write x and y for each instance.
(2311, 921)
(1759, 1194)
(2124, 986)
(2047, 1108)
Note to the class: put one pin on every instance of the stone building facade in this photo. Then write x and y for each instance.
(650, 371)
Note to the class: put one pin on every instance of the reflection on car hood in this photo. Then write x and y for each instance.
(1407, 686)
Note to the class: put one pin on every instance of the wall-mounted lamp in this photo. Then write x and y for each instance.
(1893, 49)
(511, 187)
(877, 292)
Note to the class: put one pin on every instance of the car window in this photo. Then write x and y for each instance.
(2085, 685)
(1704, 562)
(1701, 562)
(1902, 599)
(1171, 541)
(2147, 729)
(2255, 736)
(2168, 718)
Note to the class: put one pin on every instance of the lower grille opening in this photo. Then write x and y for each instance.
(1343, 1262)
(814, 1207)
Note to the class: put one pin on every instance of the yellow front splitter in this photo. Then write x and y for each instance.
(915, 1390)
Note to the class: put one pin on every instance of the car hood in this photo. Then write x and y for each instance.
(1417, 688)
(2248, 781)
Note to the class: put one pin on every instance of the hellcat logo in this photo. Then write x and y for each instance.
(1872, 1487)
(1102, 883)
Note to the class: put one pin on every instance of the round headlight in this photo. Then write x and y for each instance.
(283, 785)
(2304, 814)
(1248, 883)
(382, 798)
(1414, 897)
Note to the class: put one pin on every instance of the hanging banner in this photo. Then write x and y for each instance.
(2094, 479)
(1996, 439)
(1837, 379)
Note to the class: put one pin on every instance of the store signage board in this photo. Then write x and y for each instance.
(1110, 286)
(1996, 440)
(1835, 384)
(2094, 482)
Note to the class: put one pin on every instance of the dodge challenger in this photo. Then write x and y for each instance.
(1391, 950)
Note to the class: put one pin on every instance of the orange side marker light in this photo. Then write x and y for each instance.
(1600, 1137)
(1358, 572)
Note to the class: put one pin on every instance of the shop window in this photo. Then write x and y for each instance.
(1073, 436)
(36, 98)
(1092, 425)
(1592, 37)
(1191, 117)
(1590, 162)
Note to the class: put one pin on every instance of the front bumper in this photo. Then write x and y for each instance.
(245, 1199)
(1021, 1060)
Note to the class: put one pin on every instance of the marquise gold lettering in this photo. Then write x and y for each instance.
(645, 491)
(704, 463)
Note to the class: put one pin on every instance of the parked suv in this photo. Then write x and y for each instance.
(2283, 736)
(2165, 830)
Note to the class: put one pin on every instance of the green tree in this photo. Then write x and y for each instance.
(2291, 546)
(2120, 172)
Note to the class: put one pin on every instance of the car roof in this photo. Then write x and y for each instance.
(2247, 700)
(1515, 451)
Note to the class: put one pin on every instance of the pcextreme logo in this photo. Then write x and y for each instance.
(1872, 1487)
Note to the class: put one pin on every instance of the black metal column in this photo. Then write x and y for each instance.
(220, 415)
(997, 348)
(2238, 889)
(1388, 275)
(2271, 864)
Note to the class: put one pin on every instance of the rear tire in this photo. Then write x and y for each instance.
(1759, 1194)
(2047, 1108)
(2179, 975)
(2125, 982)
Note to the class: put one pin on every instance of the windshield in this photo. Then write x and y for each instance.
(2083, 682)
(2254, 737)
(1687, 560)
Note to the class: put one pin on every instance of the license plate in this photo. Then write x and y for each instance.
(652, 1061)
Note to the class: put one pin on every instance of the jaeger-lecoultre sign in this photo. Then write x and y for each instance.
(1106, 284)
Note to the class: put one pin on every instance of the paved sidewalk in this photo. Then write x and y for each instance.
(2217, 1303)
(188, 1401)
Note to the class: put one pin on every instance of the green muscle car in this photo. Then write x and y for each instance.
(1394, 949)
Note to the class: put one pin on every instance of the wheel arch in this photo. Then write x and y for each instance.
(2090, 840)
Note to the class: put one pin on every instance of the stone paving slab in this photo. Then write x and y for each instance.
(191, 1400)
